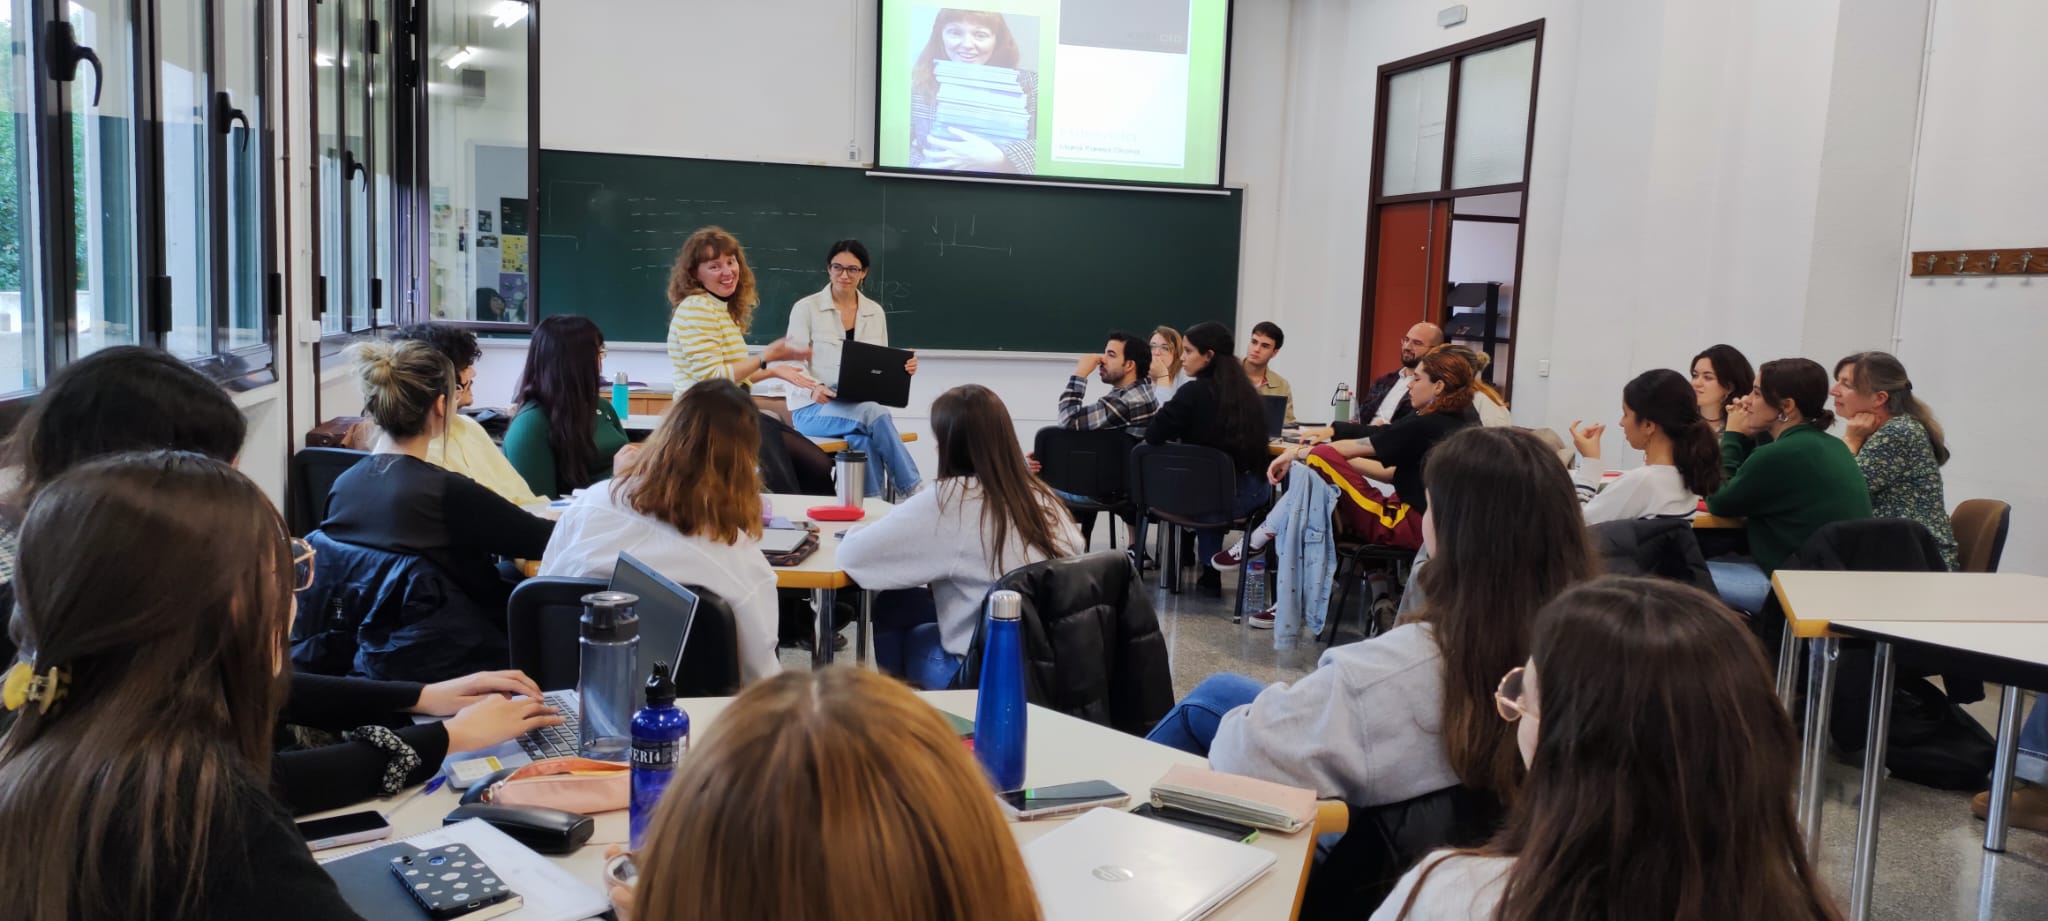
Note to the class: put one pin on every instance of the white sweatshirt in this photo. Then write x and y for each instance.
(1649, 491)
(936, 538)
(598, 525)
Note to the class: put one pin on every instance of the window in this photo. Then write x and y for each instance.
(132, 188)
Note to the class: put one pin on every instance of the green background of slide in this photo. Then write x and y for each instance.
(958, 265)
(1208, 39)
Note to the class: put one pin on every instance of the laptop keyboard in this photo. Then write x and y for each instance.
(556, 741)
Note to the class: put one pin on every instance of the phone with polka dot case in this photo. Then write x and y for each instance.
(450, 883)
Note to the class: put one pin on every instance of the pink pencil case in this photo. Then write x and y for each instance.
(578, 785)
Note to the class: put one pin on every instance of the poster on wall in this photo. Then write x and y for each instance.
(512, 215)
(483, 222)
(513, 250)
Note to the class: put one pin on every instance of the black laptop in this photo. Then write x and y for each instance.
(1276, 415)
(666, 612)
(874, 374)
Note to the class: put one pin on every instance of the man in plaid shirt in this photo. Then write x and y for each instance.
(1125, 365)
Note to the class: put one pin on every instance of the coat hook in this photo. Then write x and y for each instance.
(1992, 267)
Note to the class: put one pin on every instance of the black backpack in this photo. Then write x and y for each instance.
(1933, 742)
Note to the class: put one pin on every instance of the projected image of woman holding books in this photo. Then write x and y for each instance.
(971, 108)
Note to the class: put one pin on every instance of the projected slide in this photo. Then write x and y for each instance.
(1117, 90)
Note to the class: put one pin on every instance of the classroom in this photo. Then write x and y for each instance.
(1030, 459)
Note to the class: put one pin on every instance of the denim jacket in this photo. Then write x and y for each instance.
(1307, 552)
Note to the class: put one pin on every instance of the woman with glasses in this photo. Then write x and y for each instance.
(1167, 375)
(823, 323)
(1410, 712)
(1660, 770)
(565, 436)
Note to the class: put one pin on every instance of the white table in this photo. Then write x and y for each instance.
(820, 572)
(1938, 601)
(1061, 749)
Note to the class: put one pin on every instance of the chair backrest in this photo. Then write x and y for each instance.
(313, 473)
(543, 623)
(1980, 526)
(1095, 464)
(541, 628)
(1188, 485)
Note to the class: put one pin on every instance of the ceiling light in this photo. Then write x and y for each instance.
(458, 57)
(509, 13)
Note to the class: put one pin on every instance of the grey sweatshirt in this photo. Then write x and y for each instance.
(1459, 889)
(1365, 727)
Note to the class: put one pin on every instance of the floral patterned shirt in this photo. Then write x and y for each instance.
(1905, 481)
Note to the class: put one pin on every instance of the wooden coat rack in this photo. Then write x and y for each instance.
(2031, 260)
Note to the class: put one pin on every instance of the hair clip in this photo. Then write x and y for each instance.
(24, 686)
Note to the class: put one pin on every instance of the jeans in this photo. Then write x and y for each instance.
(1741, 583)
(927, 664)
(2032, 766)
(1252, 491)
(868, 428)
(1191, 725)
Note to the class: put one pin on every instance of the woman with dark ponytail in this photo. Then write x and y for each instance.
(1681, 459)
(1788, 488)
(1218, 408)
(1898, 443)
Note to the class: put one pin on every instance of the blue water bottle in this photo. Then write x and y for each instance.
(622, 390)
(999, 708)
(661, 736)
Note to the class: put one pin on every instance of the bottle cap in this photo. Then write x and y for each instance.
(608, 617)
(661, 689)
(1005, 605)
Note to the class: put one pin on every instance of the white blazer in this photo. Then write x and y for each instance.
(814, 322)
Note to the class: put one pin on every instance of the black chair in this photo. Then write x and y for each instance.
(1095, 464)
(1353, 558)
(1185, 487)
(544, 618)
(1382, 842)
(313, 473)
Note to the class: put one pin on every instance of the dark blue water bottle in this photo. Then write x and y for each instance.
(999, 708)
(661, 736)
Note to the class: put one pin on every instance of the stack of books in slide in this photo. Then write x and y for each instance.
(983, 100)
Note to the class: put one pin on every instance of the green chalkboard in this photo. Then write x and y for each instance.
(958, 265)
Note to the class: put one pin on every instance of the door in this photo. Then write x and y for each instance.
(1414, 245)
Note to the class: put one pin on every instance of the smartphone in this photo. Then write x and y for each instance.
(354, 828)
(1208, 825)
(1065, 799)
(450, 882)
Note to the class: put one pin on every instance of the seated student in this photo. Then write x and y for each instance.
(1788, 488)
(1130, 402)
(565, 435)
(1408, 712)
(154, 593)
(1897, 443)
(397, 502)
(1258, 357)
(691, 509)
(1443, 393)
(823, 323)
(130, 398)
(1681, 457)
(1166, 375)
(1388, 393)
(1488, 406)
(985, 515)
(468, 449)
(1720, 377)
(1660, 771)
(841, 768)
(712, 295)
(1217, 408)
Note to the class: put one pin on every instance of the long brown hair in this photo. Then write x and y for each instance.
(977, 439)
(1509, 537)
(1872, 373)
(924, 84)
(1664, 397)
(1661, 782)
(1240, 413)
(842, 769)
(562, 376)
(703, 246)
(1479, 361)
(160, 583)
(699, 471)
(1446, 366)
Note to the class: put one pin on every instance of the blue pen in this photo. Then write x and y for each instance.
(431, 786)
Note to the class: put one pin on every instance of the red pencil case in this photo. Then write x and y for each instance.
(836, 513)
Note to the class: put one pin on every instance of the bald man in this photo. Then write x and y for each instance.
(1387, 398)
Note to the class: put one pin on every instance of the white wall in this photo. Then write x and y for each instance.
(1971, 345)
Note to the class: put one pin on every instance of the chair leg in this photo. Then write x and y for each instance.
(1336, 616)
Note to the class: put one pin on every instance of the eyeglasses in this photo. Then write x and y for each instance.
(302, 564)
(1508, 699)
(1160, 348)
(837, 269)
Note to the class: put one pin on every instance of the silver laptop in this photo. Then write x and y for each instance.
(1109, 865)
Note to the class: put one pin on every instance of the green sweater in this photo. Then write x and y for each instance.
(527, 447)
(1787, 489)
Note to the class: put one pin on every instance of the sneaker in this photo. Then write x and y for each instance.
(1263, 620)
(1227, 558)
(2028, 809)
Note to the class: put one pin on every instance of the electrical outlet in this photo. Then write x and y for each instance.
(853, 151)
(1543, 368)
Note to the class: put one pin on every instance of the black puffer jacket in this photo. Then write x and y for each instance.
(1662, 547)
(1092, 646)
(390, 616)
